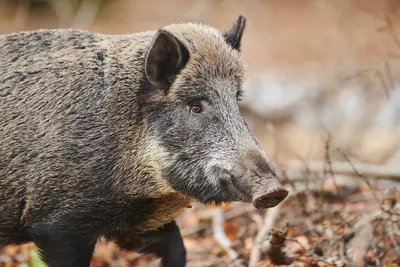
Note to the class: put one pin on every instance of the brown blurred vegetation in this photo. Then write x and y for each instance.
(322, 97)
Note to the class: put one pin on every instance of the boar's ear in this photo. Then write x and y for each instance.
(166, 57)
(233, 36)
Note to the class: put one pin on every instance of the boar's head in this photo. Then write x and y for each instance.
(194, 76)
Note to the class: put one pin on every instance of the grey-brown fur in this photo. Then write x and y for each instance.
(91, 145)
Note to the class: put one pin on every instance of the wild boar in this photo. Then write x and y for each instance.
(115, 135)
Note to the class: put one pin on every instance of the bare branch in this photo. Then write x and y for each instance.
(365, 178)
(310, 253)
(219, 234)
(329, 162)
(296, 170)
(269, 221)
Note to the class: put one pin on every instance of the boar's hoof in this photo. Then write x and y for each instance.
(270, 199)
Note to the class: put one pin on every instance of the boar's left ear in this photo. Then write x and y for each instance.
(166, 57)
(233, 36)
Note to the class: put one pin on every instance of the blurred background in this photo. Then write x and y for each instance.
(323, 98)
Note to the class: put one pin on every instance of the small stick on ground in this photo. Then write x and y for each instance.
(220, 236)
(311, 253)
(269, 221)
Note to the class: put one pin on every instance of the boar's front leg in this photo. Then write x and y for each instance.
(61, 247)
(165, 242)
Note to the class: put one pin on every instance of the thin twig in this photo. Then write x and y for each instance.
(310, 253)
(220, 236)
(328, 160)
(366, 180)
(269, 221)
(295, 170)
(228, 215)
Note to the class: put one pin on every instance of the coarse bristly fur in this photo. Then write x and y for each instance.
(115, 135)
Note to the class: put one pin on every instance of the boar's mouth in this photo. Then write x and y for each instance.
(233, 190)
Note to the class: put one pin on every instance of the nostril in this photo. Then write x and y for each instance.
(271, 199)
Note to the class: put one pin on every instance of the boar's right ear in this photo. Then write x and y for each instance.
(166, 57)
(233, 36)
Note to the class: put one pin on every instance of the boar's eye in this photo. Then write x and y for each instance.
(239, 95)
(196, 108)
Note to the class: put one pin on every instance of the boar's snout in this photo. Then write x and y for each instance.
(271, 198)
(267, 191)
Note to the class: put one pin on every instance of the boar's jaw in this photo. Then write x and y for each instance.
(262, 191)
(228, 187)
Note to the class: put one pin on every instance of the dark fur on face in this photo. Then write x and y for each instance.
(205, 150)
